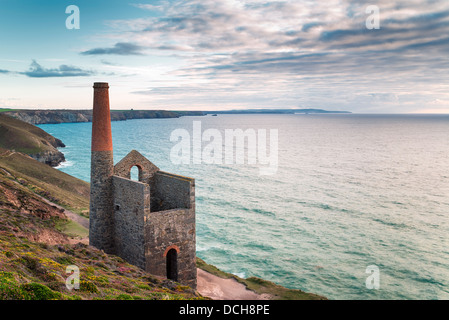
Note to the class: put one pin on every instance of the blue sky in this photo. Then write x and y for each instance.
(228, 54)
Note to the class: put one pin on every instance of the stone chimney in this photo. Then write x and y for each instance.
(102, 168)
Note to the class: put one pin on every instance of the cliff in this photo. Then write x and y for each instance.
(66, 116)
(42, 231)
(22, 137)
(277, 111)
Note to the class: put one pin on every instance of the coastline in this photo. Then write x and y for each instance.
(41, 116)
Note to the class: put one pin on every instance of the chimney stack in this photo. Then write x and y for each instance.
(101, 119)
(102, 169)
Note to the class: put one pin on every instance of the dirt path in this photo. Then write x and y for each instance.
(218, 288)
(70, 214)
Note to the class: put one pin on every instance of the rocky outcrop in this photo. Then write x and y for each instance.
(50, 116)
(51, 157)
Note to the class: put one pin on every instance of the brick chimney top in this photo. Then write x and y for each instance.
(101, 119)
(101, 85)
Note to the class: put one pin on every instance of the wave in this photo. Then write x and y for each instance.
(65, 164)
(240, 274)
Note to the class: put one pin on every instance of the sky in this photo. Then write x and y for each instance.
(227, 54)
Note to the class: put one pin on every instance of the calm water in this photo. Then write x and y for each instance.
(351, 191)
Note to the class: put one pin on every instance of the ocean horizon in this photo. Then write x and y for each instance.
(351, 193)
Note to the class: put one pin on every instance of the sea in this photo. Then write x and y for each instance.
(356, 208)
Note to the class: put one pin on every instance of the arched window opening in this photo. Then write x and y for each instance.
(172, 265)
(135, 173)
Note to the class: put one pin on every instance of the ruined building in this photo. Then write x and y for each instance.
(151, 222)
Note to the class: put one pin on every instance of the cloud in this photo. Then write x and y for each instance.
(120, 48)
(37, 71)
(208, 26)
(152, 7)
(108, 63)
(306, 53)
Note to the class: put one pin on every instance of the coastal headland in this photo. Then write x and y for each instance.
(43, 231)
(68, 116)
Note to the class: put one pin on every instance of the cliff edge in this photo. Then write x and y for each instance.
(67, 116)
(39, 239)
(23, 137)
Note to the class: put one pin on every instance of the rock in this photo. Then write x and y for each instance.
(52, 158)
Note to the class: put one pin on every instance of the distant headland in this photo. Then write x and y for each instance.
(274, 111)
(67, 116)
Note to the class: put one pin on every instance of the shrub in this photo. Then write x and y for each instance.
(37, 291)
(65, 260)
(30, 263)
(9, 288)
(88, 286)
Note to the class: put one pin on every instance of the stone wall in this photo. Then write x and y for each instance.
(143, 236)
(131, 202)
(140, 221)
(171, 229)
(169, 191)
(134, 158)
(101, 218)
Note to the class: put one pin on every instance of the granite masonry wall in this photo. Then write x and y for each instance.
(134, 158)
(131, 202)
(169, 191)
(169, 229)
(152, 216)
(101, 223)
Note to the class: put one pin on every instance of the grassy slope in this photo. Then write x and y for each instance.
(57, 186)
(23, 137)
(34, 256)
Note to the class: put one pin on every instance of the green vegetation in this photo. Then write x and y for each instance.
(72, 229)
(23, 137)
(31, 271)
(34, 255)
(10, 289)
(52, 184)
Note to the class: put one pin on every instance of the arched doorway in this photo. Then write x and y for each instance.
(172, 265)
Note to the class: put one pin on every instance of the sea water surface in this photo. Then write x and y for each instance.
(351, 191)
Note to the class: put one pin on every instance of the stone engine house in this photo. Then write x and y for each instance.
(151, 222)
